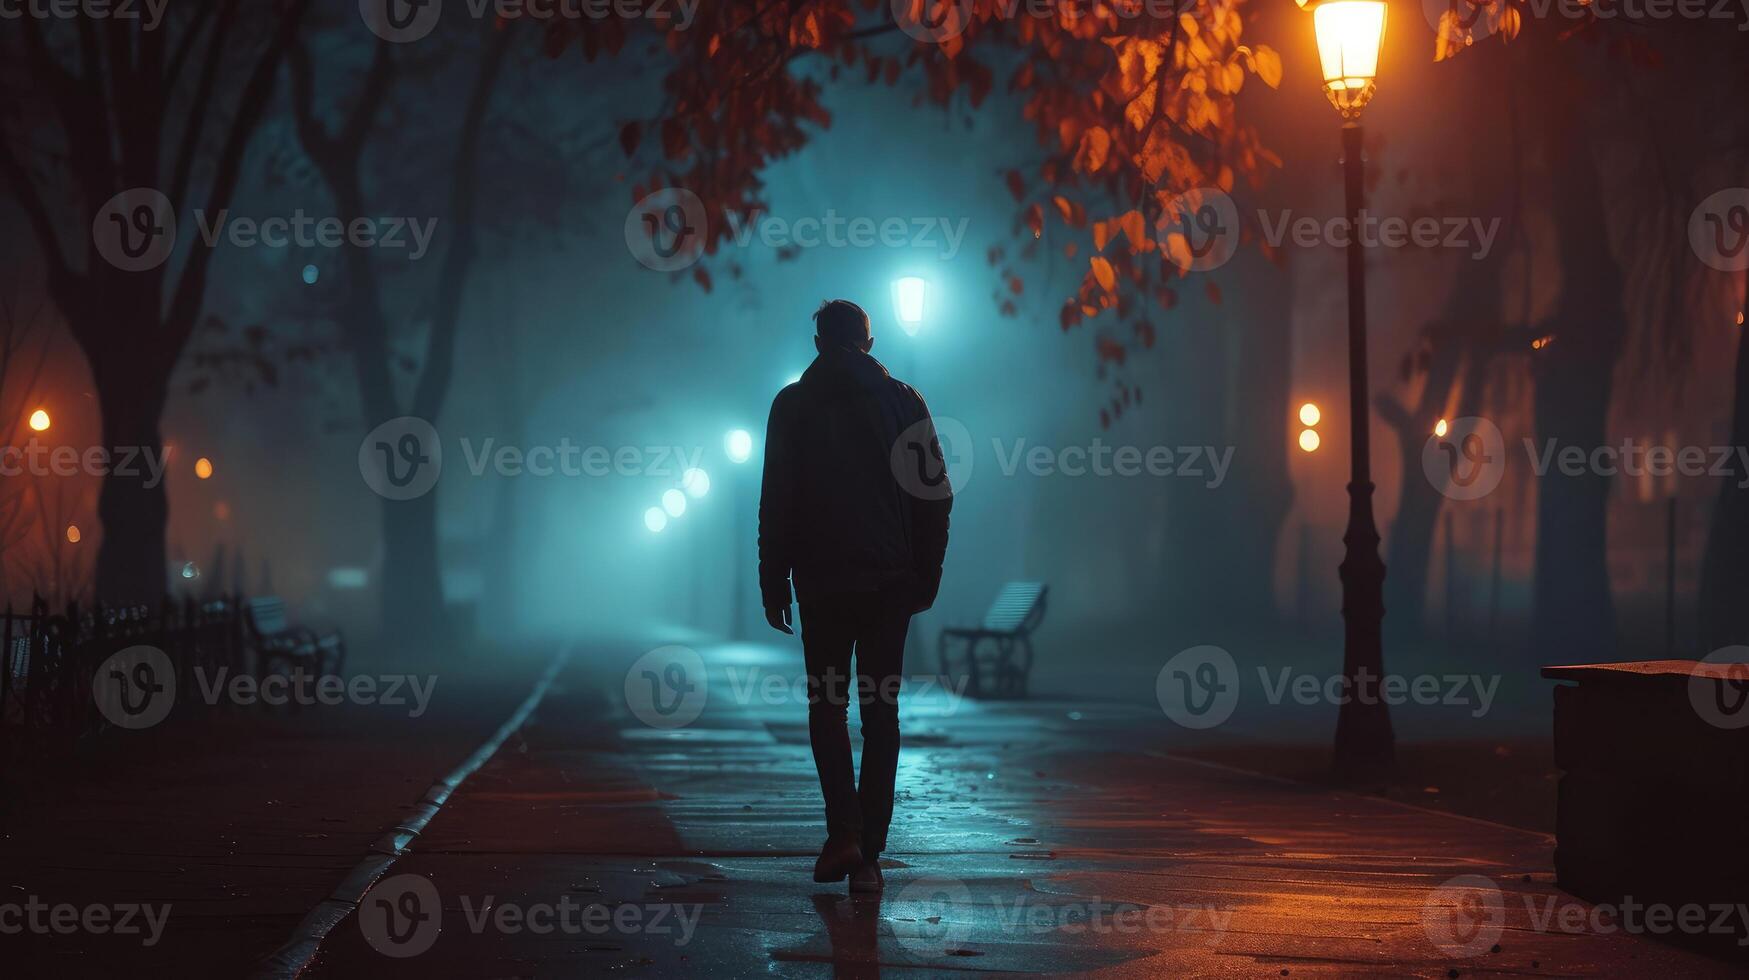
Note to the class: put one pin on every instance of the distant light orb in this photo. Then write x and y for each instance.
(190, 570)
(1440, 428)
(73, 534)
(908, 302)
(311, 274)
(738, 444)
(674, 502)
(1310, 415)
(696, 482)
(203, 468)
(655, 519)
(39, 420)
(1309, 440)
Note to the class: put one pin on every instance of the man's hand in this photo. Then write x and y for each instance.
(779, 618)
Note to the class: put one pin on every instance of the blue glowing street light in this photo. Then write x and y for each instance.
(738, 445)
(908, 296)
(695, 482)
(674, 502)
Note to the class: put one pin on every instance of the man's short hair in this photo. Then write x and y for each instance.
(843, 323)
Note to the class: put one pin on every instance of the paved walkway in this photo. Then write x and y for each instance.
(228, 825)
(1030, 838)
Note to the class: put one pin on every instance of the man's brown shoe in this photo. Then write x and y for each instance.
(838, 858)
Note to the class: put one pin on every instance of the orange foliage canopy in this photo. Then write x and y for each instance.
(1133, 102)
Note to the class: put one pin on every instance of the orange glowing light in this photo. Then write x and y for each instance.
(203, 468)
(1739, 319)
(1542, 342)
(39, 420)
(73, 533)
(1309, 414)
(1309, 441)
(1440, 428)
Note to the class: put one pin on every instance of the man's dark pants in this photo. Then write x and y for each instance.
(874, 625)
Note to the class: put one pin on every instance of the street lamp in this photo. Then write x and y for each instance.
(39, 420)
(908, 294)
(1350, 33)
(738, 445)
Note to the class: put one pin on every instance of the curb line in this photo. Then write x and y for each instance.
(290, 960)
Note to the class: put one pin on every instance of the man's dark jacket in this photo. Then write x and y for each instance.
(833, 513)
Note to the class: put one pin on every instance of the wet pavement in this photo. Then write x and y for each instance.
(660, 817)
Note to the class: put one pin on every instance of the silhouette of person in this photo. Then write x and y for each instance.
(840, 515)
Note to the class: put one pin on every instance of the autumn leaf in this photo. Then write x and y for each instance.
(1095, 146)
(1140, 111)
(1102, 272)
(1267, 63)
(1135, 229)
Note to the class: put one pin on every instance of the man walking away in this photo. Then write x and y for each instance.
(854, 509)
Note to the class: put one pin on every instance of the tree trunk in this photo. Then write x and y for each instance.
(1724, 576)
(1574, 373)
(413, 606)
(132, 565)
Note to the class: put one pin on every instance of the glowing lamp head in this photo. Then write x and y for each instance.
(908, 302)
(738, 445)
(1350, 34)
(655, 519)
(1440, 428)
(1309, 441)
(1309, 414)
(674, 502)
(39, 420)
(203, 468)
(695, 482)
(73, 534)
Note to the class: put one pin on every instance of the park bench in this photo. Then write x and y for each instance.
(1654, 762)
(999, 651)
(275, 641)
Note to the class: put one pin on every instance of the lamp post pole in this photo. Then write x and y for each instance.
(1364, 740)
